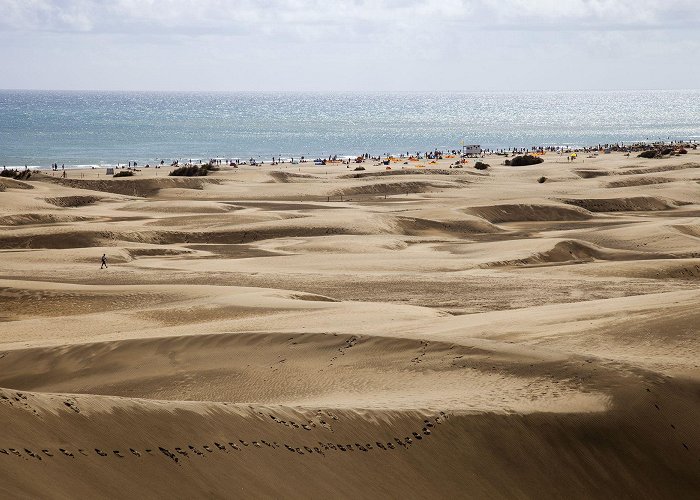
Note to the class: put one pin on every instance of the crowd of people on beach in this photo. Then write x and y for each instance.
(436, 154)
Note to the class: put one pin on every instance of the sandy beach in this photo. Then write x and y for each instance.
(309, 331)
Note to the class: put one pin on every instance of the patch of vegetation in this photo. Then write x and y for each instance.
(124, 173)
(480, 165)
(524, 160)
(542, 179)
(652, 153)
(359, 168)
(194, 170)
(13, 173)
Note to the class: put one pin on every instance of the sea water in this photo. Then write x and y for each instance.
(38, 128)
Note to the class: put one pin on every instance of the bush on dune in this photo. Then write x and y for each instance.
(652, 153)
(525, 160)
(124, 173)
(12, 173)
(194, 170)
(480, 165)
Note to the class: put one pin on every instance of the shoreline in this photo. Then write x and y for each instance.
(621, 146)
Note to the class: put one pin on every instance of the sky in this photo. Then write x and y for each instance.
(354, 45)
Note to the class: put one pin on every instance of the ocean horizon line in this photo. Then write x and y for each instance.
(353, 91)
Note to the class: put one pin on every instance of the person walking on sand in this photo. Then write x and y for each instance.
(104, 261)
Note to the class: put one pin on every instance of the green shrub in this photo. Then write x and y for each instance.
(124, 173)
(194, 170)
(209, 167)
(13, 173)
(652, 153)
(524, 160)
(480, 165)
(542, 179)
(189, 171)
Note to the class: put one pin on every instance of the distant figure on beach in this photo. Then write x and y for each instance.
(104, 261)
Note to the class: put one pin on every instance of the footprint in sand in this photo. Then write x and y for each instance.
(220, 446)
(47, 453)
(134, 452)
(66, 452)
(100, 452)
(195, 450)
(168, 454)
(234, 446)
(72, 405)
(118, 453)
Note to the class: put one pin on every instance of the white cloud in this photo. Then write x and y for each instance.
(200, 16)
(306, 44)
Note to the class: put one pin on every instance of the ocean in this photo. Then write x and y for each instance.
(38, 128)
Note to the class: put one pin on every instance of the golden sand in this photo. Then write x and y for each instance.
(313, 331)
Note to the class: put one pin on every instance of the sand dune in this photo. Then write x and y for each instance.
(438, 332)
(523, 212)
(631, 204)
(394, 188)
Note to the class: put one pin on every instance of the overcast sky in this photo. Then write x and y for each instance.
(349, 45)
